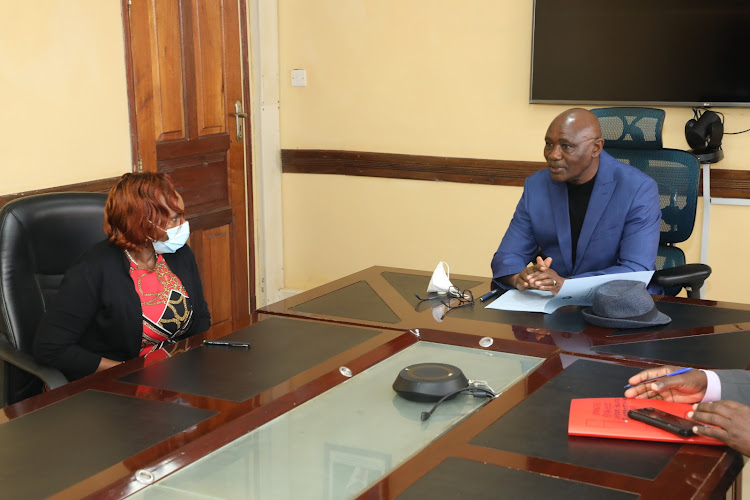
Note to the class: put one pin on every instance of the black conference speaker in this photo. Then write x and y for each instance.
(705, 133)
(427, 382)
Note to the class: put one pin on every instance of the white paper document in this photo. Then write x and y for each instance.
(574, 292)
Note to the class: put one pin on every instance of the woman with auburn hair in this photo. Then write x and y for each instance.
(134, 293)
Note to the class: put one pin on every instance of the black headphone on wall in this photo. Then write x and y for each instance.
(704, 132)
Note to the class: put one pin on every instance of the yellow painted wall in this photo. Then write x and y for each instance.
(435, 78)
(63, 97)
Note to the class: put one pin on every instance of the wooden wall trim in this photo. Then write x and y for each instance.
(96, 186)
(724, 183)
(729, 183)
(400, 166)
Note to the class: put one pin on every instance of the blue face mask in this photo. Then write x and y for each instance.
(176, 238)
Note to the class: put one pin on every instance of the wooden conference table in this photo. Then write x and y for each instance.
(222, 422)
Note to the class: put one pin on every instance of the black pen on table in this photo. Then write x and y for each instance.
(490, 294)
(228, 343)
(677, 372)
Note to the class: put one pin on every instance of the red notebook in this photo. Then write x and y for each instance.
(608, 417)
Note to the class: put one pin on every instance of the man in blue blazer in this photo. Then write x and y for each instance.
(586, 214)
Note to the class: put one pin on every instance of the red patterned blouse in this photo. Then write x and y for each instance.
(167, 311)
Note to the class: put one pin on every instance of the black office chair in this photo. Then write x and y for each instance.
(40, 237)
(633, 136)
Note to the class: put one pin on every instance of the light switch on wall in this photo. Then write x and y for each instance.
(299, 78)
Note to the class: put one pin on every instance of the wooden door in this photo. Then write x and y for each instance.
(185, 70)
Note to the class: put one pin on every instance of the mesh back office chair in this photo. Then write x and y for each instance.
(633, 136)
(40, 237)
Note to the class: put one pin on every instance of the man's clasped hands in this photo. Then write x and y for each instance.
(539, 276)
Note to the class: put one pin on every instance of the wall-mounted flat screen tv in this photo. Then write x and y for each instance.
(652, 52)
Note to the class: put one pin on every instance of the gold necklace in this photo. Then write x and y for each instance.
(156, 261)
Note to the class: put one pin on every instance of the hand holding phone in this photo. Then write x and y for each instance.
(665, 421)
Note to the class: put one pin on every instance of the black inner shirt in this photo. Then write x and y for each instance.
(578, 202)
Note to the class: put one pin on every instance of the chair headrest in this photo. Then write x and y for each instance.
(52, 229)
(631, 128)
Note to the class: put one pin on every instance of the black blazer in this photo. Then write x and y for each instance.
(97, 311)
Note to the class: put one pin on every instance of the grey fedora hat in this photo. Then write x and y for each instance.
(624, 304)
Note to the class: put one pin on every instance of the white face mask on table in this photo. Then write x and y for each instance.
(440, 282)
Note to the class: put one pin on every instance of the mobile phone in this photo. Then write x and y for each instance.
(663, 420)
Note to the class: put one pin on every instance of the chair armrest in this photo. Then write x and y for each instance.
(50, 376)
(686, 275)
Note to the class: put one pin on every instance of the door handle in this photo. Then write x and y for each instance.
(239, 117)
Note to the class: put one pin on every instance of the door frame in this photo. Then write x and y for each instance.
(265, 89)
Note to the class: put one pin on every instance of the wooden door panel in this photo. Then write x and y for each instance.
(216, 244)
(209, 67)
(178, 149)
(167, 71)
(212, 249)
(201, 180)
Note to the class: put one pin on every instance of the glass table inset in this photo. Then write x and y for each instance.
(343, 441)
